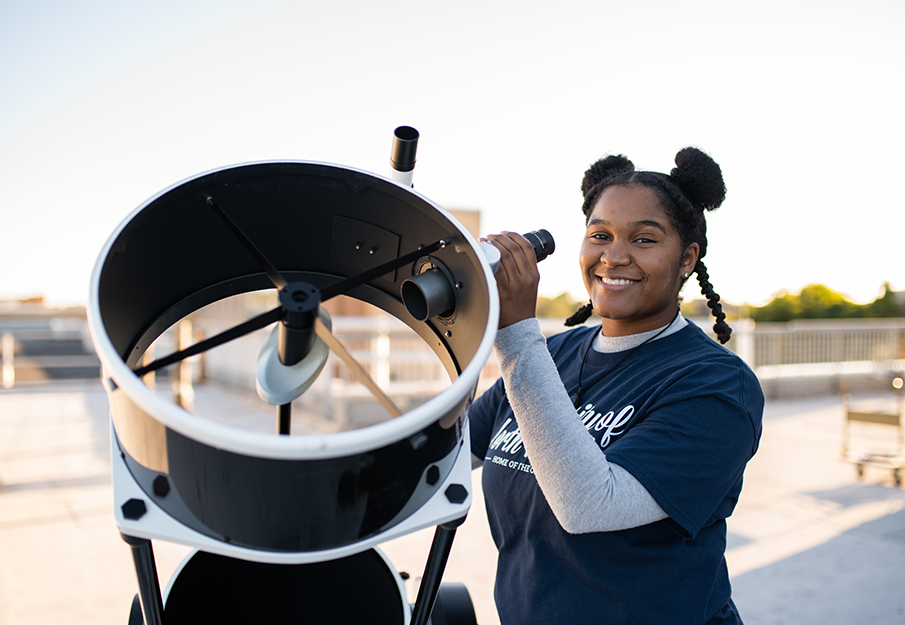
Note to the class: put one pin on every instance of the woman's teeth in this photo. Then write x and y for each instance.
(615, 282)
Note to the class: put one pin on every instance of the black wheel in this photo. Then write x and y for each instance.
(135, 616)
(453, 606)
(212, 588)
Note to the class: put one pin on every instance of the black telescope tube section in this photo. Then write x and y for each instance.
(428, 294)
(405, 145)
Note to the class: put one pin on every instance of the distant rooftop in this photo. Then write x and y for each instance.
(36, 307)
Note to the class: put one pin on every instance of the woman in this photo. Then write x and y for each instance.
(613, 454)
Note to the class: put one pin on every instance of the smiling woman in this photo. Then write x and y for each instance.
(614, 453)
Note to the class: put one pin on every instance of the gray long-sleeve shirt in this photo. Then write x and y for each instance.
(586, 492)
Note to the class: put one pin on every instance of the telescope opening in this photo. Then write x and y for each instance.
(219, 385)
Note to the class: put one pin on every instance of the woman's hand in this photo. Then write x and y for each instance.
(516, 277)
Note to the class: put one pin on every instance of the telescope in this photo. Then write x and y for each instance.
(276, 519)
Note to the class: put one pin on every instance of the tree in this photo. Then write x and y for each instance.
(817, 301)
(783, 307)
(559, 307)
(887, 305)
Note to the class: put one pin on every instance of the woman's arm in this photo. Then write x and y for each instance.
(586, 492)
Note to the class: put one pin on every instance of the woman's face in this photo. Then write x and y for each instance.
(633, 262)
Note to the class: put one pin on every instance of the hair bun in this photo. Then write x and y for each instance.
(603, 169)
(700, 178)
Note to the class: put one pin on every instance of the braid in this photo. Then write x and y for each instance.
(580, 316)
(722, 329)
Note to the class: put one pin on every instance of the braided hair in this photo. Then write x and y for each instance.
(694, 186)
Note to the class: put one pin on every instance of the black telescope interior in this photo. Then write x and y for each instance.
(317, 224)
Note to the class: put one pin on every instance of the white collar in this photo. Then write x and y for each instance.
(613, 344)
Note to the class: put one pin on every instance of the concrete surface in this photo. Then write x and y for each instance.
(810, 543)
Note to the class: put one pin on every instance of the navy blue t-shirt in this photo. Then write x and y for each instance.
(682, 414)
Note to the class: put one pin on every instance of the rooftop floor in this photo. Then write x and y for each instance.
(810, 542)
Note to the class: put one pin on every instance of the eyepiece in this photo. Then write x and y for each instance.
(542, 241)
(405, 145)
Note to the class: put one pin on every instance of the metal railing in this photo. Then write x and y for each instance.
(803, 358)
(44, 352)
(813, 357)
(790, 359)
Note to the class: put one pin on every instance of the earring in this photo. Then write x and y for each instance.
(686, 274)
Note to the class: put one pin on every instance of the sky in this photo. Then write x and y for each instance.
(104, 103)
